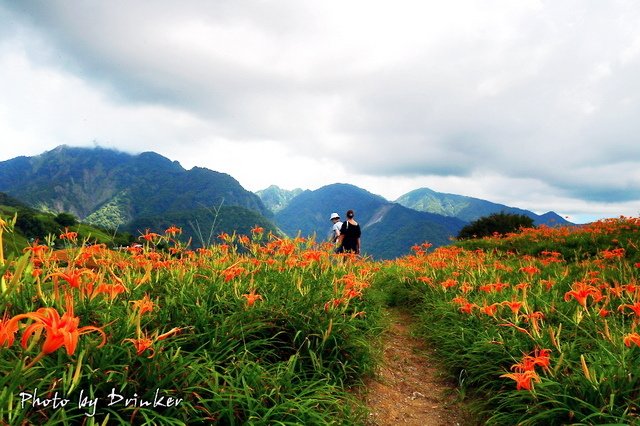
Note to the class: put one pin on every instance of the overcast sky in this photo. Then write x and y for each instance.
(533, 104)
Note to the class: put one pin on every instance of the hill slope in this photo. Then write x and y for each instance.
(389, 229)
(468, 208)
(111, 188)
(33, 226)
(276, 198)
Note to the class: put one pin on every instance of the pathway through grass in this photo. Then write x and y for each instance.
(409, 388)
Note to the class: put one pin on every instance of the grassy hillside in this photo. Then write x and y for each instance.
(28, 225)
(538, 328)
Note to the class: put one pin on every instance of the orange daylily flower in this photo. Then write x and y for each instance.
(603, 312)
(313, 255)
(59, 330)
(142, 344)
(524, 380)
(143, 305)
(426, 280)
(529, 270)
(541, 358)
(632, 338)
(232, 272)
(613, 254)
(173, 230)
(8, 328)
(69, 235)
(149, 236)
(252, 297)
(514, 305)
(631, 288)
(448, 283)
(38, 251)
(490, 309)
(350, 293)
(333, 303)
(497, 287)
(112, 290)
(467, 308)
(580, 292)
(635, 308)
(73, 276)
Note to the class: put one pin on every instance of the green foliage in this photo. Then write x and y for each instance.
(65, 219)
(500, 223)
(112, 214)
(33, 225)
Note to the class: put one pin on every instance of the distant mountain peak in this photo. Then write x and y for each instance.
(468, 208)
(107, 185)
(276, 198)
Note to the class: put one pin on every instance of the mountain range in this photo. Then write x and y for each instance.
(469, 208)
(116, 190)
(389, 229)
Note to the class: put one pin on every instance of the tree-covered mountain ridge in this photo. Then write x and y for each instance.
(111, 188)
(468, 208)
(134, 193)
(465, 208)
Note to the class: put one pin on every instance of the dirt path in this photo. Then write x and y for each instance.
(408, 389)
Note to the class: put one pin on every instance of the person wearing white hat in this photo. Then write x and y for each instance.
(335, 228)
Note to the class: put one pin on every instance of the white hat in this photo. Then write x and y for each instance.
(334, 216)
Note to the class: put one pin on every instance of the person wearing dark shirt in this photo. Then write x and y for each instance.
(349, 240)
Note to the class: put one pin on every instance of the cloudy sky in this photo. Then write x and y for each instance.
(533, 104)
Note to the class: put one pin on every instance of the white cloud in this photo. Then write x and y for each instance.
(523, 103)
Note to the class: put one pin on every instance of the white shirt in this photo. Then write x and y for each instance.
(335, 232)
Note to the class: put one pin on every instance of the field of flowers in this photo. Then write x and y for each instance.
(253, 330)
(539, 327)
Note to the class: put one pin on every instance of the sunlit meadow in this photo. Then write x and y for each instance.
(255, 329)
(539, 327)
